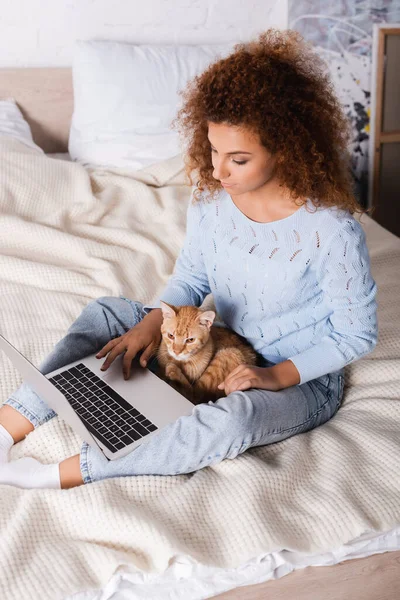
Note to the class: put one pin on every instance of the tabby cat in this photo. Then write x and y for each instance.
(196, 355)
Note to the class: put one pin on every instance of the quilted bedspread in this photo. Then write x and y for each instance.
(69, 235)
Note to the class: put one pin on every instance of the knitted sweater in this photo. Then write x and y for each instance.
(299, 288)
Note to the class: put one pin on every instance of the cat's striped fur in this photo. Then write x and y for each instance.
(197, 355)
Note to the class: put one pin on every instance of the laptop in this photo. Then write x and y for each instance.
(105, 410)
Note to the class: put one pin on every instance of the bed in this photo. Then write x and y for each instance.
(317, 515)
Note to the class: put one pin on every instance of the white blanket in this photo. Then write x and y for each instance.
(69, 235)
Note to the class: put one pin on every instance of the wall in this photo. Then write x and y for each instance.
(38, 33)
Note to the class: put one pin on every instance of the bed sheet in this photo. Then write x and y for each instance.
(186, 579)
(69, 235)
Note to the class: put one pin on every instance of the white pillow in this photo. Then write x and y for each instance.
(125, 97)
(13, 124)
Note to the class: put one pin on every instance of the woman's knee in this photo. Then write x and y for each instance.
(117, 305)
(116, 313)
(113, 301)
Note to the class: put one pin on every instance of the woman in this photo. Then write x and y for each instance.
(270, 233)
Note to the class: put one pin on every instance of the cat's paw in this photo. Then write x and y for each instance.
(173, 372)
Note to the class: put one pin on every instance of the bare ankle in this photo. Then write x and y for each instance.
(16, 424)
(70, 472)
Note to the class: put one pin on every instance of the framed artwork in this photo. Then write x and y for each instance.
(342, 34)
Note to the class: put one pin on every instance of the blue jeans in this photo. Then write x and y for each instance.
(212, 432)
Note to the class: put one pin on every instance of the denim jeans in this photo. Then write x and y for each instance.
(212, 432)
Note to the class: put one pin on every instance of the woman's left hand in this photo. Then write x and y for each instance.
(245, 377)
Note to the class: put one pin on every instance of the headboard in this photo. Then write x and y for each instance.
(45, 98)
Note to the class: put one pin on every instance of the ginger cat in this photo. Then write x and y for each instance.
(197, 355)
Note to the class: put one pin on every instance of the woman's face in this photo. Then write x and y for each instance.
(248, 170)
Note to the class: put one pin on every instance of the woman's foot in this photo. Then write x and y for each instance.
(28, 472)
(6, 442)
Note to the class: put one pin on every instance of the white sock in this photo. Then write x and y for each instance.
(28, 472)
(6, 441)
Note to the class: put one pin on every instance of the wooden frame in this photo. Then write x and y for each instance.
(378, 137)
(45, 97)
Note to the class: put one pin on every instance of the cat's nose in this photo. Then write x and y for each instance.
(177, 348)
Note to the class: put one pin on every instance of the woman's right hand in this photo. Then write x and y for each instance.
(145, 335)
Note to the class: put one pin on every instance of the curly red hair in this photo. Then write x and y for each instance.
(278, 88)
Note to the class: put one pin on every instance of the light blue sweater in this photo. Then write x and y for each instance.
(299, 288)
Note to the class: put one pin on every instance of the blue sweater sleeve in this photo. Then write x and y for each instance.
(188, 284)
(343, 273)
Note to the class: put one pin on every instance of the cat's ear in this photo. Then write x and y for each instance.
(167, 310)
(206, 318)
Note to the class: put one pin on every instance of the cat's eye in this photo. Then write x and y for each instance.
(171, 336)
(190, 340)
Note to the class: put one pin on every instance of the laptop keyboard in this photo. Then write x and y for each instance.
(104, 412)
